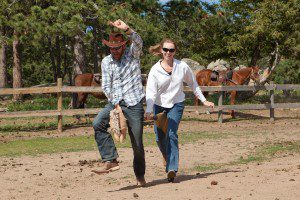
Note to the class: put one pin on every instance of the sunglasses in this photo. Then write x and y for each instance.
(170, 50)
(115, 48)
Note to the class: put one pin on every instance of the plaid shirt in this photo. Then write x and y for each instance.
(121, 80)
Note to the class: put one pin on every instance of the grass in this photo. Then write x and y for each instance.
(208, 167)
(49, 102)
(38, 103)
(28, 126)
(283, 147)
(37, 146)
(265, 152)
(251, 158)
(263, 97)
(46, 146)
(195, 136)
(38, 126)
(41, 145)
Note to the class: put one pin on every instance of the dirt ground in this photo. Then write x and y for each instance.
(69, 176)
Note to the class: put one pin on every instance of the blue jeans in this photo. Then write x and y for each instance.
(105, 142)
(168, 143)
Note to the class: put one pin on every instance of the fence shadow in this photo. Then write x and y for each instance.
(244, 116)
(248, 116)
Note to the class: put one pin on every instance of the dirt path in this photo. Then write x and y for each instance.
(68, 176)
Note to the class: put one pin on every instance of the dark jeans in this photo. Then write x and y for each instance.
(105, 142)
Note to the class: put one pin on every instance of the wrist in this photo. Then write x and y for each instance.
(128, 31)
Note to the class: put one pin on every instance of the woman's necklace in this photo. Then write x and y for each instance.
(166, 66)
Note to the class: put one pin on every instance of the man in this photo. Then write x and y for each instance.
(122, 85)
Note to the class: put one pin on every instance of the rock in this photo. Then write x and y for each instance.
(135, 195)
(218, 65)
(3, 109)
(214, 183)
(195, 66)
(239, 67)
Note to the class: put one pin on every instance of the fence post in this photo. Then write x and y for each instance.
(272, 114)
(59, 105)
(220, 103)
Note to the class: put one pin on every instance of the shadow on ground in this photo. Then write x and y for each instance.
(178, 179)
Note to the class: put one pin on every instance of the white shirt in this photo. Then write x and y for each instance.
(166, 90)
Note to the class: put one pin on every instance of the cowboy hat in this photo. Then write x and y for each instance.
(115, 40)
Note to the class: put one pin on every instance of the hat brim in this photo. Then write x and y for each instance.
(109, 44)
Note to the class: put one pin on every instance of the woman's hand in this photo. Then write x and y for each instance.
(148, 116)
(209, 104)
(119, 24)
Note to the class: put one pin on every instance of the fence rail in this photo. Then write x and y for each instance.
(60, 89)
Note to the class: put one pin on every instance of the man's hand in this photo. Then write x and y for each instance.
(119, 24)
(209, 104)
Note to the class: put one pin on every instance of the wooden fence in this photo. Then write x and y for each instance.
(60, 89)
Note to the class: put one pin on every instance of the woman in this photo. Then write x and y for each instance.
(164, 93)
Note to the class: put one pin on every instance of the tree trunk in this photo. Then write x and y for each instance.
(17, 68)
(95, 49)
(256, 53)
(275, 58)
(79, 64)
(58, 57)
(101, 51)
(65, 63)
(52, 58)
(3, 67)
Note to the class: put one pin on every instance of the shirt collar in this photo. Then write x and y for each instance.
(175, 63)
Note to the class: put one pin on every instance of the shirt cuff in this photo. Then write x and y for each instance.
(200, 95)
(114, 102)
(150, 104)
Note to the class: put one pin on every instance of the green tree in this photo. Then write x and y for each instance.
(259, 25)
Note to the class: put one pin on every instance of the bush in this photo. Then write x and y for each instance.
(287, 72)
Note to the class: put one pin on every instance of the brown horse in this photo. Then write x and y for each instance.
(81, 80)
(89, 79)
(239, 77)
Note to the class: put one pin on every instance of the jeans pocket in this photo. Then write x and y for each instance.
(138, 107)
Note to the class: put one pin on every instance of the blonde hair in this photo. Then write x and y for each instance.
(156, 49)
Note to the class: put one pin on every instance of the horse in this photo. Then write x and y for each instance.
(79, 99)
(208, 77)
(88, 79)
